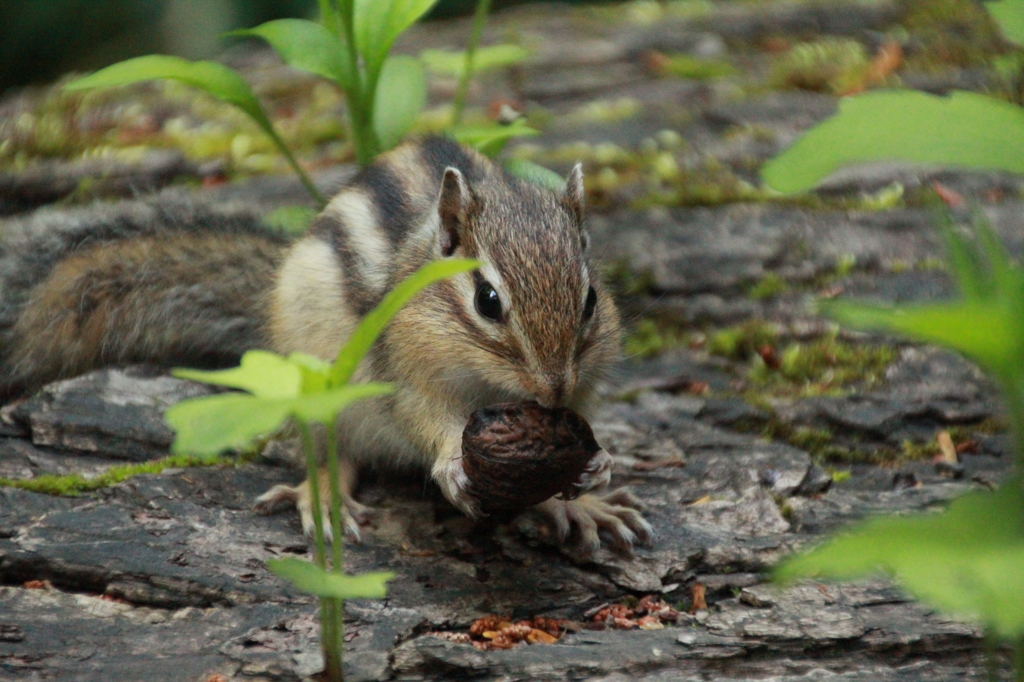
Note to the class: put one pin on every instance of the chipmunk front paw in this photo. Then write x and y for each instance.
(616, 513)
(596, 476)
(456, 486)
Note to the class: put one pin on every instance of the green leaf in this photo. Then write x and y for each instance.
(1009, 14)
(216, 79)
(401, 94)
(373, 324)
(964, 129)
(314, 372)
(323, 407)
(308, 46)
(983, 330)
(378, 23)
(535, 173)
(262, 373)
(1007, 280)
(207, 426)
(314, 580)
(484, 59)
(969, 274)
(968, 561)
(490, 140)
(310, 362)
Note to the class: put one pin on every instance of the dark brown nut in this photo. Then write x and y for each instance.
(517, 455)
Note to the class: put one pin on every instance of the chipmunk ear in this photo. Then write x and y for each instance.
(453, 208)
(573, 194)
(574, 197)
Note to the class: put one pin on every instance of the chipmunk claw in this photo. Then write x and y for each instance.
(615, 514)
(354, 514)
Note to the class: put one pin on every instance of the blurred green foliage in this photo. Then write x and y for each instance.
(42, 39)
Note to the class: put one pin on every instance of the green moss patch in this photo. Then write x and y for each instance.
(649, 338)
(824, 366)
(76, 484)
(773, 366)
(951, 33)
(818, 443)
(739, 343)
(769, 286)
(832, 65)
(821, 367)
(919, 450)
(624, 281)
(685, 66)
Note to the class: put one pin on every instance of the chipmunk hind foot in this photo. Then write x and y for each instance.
(353, 514)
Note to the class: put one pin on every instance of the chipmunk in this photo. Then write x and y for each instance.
(532, 323)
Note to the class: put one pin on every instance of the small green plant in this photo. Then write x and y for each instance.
(349, 46)
(306, 391)
(473, 60)
(489, 140)
(969, 560)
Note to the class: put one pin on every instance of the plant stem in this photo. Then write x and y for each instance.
(337, 562)
(334, 476)
(479, 19)
(329, 640)
(306, 182)
(329, 637)
(360, 121)
(369, 104)
(313, 474)
(329, 16)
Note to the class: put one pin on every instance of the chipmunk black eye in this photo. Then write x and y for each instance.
(588, 307)
(487, 302)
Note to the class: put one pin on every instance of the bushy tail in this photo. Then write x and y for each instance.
(166, 282)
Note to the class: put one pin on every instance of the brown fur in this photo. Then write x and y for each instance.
(184, 298)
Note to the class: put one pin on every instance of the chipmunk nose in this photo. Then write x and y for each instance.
(555, 391)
